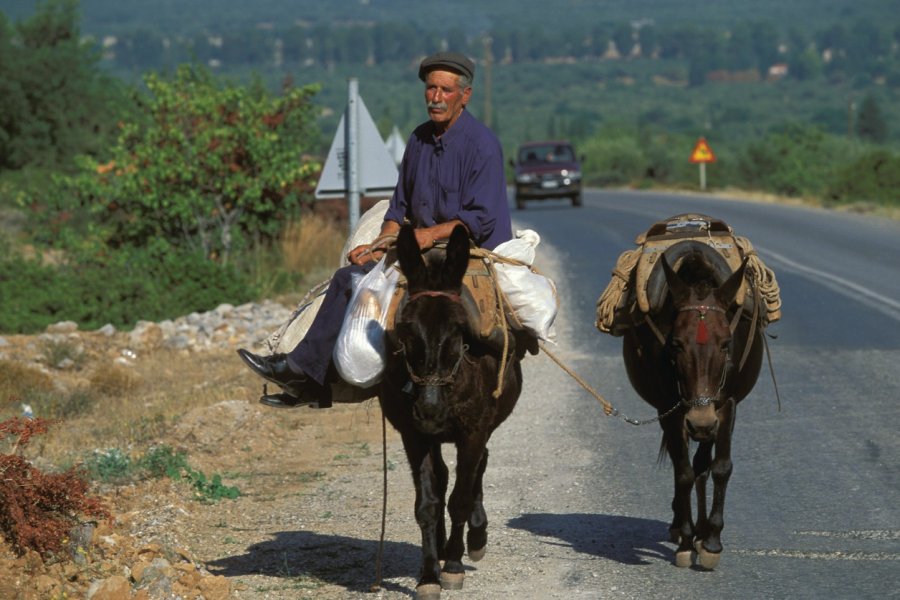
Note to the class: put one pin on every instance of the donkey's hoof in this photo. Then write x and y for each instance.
(706, 559)
(476, 555)
(684, 558)
(428, 591)
(452, 581)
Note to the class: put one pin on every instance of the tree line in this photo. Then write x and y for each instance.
(170, 196)
(862, 48)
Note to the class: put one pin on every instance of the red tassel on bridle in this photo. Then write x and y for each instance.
(702, 333)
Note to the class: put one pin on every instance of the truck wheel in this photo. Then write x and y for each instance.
(576, 200)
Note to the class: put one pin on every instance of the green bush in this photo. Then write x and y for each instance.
(164, 461)
(119, 286)
(114, 465)
(797, 160)
(108, 465)
(875, 178)
(613, 160)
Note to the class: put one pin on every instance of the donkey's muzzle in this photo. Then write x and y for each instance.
(429, 410)
(701, 430)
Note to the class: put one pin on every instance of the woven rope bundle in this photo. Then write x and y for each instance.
(611, 298)
(763, 279)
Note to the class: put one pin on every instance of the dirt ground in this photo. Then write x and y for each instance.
(287, 464)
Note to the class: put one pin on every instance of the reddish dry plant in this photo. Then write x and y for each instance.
(37, 509)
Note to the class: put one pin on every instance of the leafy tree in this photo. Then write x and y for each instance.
(212, 166)
(739, 50)
(600, 38)
(806, 66)
(648, 37)
(54, 100)
(765, 44)
(623, 37)
(870, 124)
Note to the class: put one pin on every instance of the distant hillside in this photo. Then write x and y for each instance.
(104, 17)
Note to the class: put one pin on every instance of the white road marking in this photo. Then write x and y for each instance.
(817, 555)
(883, 304)
(871, 534)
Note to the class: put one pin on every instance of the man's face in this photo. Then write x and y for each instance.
(444, 98)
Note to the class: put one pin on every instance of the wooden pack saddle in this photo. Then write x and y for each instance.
(638, 284)
(480, 297)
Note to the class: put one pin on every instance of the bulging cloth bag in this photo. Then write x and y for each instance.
(531, 295)
(359, 354)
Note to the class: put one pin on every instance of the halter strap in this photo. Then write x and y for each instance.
(702, 308)
(435, 294)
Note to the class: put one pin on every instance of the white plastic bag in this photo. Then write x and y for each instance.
(531, 295)
(286, 337)
(359, 355)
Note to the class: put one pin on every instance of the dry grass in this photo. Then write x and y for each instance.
(114, 380)
(124, 407)
(20, 382)
(312, 246)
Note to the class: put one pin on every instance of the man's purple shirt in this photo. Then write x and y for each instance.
(457, 176)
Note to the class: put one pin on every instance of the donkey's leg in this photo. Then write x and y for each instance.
(476, 537)
(702, 459)
(682, 528)
(442, 477)
(709, 548)
(418, 452)
(460, 506)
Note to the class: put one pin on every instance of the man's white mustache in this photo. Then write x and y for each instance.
(437, 105)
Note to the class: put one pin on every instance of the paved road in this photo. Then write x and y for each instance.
(814, 504)
(578, 507)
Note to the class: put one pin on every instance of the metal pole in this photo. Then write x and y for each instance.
(352, 146)
(703, 176)
(488, 59)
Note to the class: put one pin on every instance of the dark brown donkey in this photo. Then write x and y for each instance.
(695, 370)
(438, 387)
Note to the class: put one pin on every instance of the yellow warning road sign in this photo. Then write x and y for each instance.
(702, 153)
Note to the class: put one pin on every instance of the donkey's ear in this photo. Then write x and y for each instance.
(727, 292)
(678, 288)
(457, 260)
(411, 262)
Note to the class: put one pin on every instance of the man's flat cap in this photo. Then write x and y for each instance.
(452, 61)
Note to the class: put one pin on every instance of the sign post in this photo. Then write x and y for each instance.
(701, 155)
(352, 174)
(358, 161)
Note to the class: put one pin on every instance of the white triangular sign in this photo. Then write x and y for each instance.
(396, 145)
(377, 170)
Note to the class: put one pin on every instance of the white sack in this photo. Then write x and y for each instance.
(359, 355)
(290, 333)
(532, 296)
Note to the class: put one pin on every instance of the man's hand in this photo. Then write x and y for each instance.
(364, 253)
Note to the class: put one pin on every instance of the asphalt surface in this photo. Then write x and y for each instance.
(578, 506)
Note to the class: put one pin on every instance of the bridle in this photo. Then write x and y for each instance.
(435, 294)
(701, 401)
(434, 380)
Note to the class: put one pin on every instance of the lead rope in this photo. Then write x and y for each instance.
(609, 409)
(380, 556)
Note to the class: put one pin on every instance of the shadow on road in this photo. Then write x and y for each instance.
(338, 560)
(627, 540)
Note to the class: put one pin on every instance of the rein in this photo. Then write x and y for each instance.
(434, 380)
